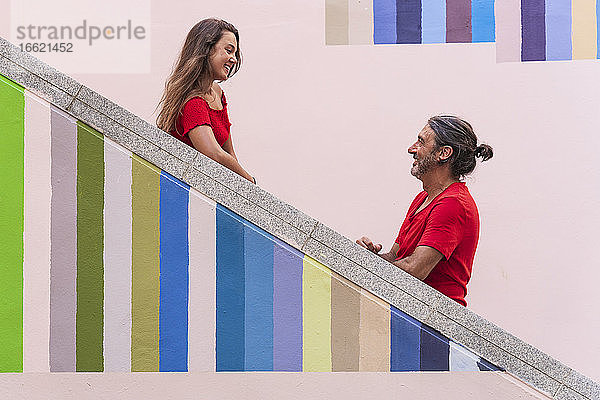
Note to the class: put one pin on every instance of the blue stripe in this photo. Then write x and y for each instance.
(174, 277)
(405, 342)
(408, 21)
(483, 22)
(384, 21)
(434, 21)
(558, 30)
(487, 366)
(230, 291)
(435, 350)
(258, 258)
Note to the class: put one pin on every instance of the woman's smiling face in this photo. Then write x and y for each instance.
(222, 59)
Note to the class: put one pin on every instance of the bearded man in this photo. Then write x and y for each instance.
(438, 238)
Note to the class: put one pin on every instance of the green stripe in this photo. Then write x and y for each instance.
(145, 289)
(12, 129)
(90, 248)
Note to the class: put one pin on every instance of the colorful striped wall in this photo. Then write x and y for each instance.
(409, 21)
(110, 264)
(559, 30)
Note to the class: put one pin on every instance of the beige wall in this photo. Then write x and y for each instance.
(326, 129)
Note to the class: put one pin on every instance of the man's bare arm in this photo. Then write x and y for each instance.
(421, 262)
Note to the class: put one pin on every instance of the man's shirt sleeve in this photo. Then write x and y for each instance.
(443, 229)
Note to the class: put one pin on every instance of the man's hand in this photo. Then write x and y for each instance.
(368, 244)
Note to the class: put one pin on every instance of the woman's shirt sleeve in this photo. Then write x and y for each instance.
(195, 113)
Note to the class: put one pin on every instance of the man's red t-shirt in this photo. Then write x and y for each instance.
(449, 224)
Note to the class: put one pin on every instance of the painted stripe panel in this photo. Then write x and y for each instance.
(316, 309)
(408, 21)
(384, 21)
(508, 30)
(461, 359)
(485, 365)
(360, 22)
(458, 21)
(287, 307)
(434, 21)
(405, 342)
(117, 258)
(483, 22)
(12, 126)
(230, 291)
(36, 235)
(202, 276)
(533, 25)
(90, 250)
(174, 278)
(597, 29)
(435, 350)
(345, 324)
(258, 323)
(336, 21)
(63, 258)
(374, 333)
(558, 30)
(145, 192)
(585, 39)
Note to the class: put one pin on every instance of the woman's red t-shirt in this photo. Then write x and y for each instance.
(196, 112)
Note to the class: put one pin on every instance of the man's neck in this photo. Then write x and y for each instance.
(436, 182)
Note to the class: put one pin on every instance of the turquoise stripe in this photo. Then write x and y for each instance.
(230, 291)
(483, 23)
(434, 21)
(174, 274)
(258, 260)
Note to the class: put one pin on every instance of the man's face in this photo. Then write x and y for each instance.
(424, 152)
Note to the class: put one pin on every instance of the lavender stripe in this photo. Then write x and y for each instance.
(533, 34)
(63, 231)
(287, 308)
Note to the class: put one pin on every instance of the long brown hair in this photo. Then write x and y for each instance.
(188, 77)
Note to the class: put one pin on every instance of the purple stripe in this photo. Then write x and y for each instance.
(63, 258)
(458, 21)
(287, 308)
(533, 33)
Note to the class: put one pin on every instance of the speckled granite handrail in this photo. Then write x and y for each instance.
(299, 230)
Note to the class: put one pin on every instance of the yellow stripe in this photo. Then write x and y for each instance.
(584, 29)
(145, 191)
(316, 311)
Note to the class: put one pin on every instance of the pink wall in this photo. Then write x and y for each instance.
(416, 386)
(326, 129)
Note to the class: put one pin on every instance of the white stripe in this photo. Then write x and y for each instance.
(360, 21)
(117, 258)
(36, 236)
(202, 295)
(462, 359)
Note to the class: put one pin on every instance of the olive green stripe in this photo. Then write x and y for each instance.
(12, 129)
(145, 290)
(90, 248)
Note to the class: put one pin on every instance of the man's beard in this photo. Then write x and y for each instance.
(424, 165)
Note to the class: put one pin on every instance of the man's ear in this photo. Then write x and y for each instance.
(445, 153)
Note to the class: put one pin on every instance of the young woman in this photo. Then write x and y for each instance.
(193, 107)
